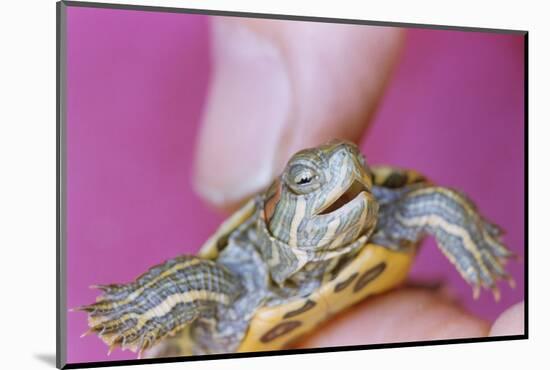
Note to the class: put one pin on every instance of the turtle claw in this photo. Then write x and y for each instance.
(107, 287)
(496, 293)
(510, 280)
(79, 308)
(111, 348)
(90, 309)
(476, 291)
(86, 333)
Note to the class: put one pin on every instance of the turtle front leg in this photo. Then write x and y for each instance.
(469, 241)
(160, 302)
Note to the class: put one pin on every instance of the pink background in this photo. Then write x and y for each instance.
(137, 83)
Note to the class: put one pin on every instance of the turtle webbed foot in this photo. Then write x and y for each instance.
(469, 241)
(484, 265)
(122, 320)
(473, 244)
(160, 302)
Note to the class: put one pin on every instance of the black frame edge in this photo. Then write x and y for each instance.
(526, 182)
(227, 13)
(293, 352)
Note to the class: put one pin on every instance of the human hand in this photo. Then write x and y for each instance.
(281, 86)
(407, 315)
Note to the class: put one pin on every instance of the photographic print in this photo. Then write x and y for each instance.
(263, 184)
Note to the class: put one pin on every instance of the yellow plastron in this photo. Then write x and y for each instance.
(376, 269)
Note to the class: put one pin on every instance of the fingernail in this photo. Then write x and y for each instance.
(247, 109)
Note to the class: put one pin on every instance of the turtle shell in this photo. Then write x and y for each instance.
(374, 270)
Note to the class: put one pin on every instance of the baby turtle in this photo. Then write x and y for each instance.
(327, 233)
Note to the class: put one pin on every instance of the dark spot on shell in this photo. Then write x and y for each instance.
(222, 242)
(344, 284)
(417, 180)
(395, 180)
(306, 307)
(369, 276)
(283, 328)
(340, 265)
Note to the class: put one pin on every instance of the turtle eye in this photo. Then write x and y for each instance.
(302, 179)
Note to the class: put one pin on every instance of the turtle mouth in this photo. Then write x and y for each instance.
(352, 192)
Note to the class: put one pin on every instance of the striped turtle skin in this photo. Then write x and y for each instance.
(329, 232)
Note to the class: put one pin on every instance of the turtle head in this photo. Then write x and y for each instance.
(323, 198)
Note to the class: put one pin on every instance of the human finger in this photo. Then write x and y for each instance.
(404, 315)
(510, 322)
(281, 86)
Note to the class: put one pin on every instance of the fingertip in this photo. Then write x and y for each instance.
(247, 106)
(510, 322)
(281, 86)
